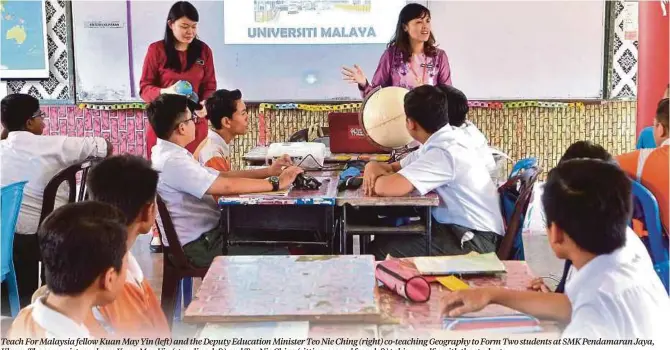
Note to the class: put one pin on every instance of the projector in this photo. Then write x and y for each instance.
(310, 155)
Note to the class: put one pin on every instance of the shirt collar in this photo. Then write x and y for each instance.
(666, 142)
(216, 137)
(439, 134)
(135, 274)
(597, 266)
(14, 135)
(170, 147)
(56, 323)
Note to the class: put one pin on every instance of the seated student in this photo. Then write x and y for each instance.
(646, 138)
(27, 155)
(228, 115)
(468, 218)
(129, 183)
(458, 117)
(587, 149)
(650, 166)
(187, 187)
(614, 293)
(83, 248)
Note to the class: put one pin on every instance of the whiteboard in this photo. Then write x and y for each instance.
(523, 49)
(497, 50)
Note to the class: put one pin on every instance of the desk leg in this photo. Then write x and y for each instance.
(329, 228)
(343, 231)
(226, 230)
(364, 241)
(429, 222)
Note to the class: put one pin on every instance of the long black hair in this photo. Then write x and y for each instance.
(401, 37)
(194, 51)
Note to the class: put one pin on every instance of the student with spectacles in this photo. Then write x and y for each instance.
(27, 155)
(187, 187)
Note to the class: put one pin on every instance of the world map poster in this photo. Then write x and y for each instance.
(23, 38)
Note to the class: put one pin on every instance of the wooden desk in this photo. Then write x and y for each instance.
(398, 317)
(404, 315)
(287, 288)
(357, 198)
(257, 156)
(300, 210)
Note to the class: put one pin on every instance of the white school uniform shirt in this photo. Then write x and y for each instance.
(182, 184)
(55, 324)
(480, 143)
(618, 296)
(633, 242)
(37, 159)
(448, 164)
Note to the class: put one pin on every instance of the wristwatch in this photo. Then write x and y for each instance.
(274, 180)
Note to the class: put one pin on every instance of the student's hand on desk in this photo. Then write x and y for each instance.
(537, 285)
(287, 176)
(279, 165)
(462, 302)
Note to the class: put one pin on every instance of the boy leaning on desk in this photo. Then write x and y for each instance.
(614, 292)
(448, 162)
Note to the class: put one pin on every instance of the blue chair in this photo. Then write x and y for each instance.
(657, 241)
(11, 197)
(515, 196)
(646, 139)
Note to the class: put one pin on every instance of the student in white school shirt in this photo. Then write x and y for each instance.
(614, 292)
(468, 217)
(27, 155)
(187, 187)
(458, 118)
(78, 279)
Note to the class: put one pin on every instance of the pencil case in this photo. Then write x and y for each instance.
(405, 282)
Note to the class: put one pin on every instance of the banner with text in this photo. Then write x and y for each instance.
(310, 22)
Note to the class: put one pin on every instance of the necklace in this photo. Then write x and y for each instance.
(419, 79)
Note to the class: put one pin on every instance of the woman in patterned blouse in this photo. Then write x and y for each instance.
(411, 58)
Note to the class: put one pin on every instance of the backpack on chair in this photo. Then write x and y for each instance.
(515, 195)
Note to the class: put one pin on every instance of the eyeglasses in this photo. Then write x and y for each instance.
(194, 119)
(39, 114)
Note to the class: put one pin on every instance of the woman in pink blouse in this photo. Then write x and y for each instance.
(411, 59)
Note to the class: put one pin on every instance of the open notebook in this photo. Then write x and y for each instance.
(469, 264)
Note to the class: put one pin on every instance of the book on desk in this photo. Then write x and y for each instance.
(508, 324)
(468, 264)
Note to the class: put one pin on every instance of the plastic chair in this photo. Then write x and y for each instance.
(646, 139)
(177, 271)
(11, 197)
(68, 175)
(515, 196)
(652, 222)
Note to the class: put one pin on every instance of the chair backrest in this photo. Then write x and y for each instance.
(652, 222)
(68, 175)
(309, 134)
(515, 196)
(11, 197)
(646, 138)
(178, 258)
